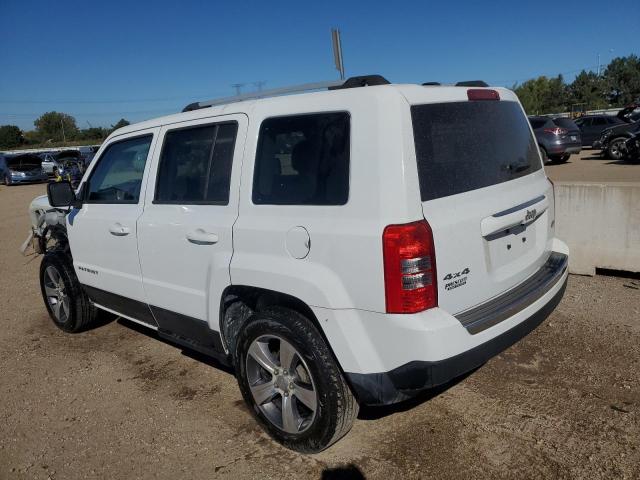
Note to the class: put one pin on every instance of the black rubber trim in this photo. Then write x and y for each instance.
(510, 303)
(187, 328)
(410, 379)
(518, 207)
(181, 329)
(126, 306)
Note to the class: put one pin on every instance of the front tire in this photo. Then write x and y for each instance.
(291, 382)
(7, 181)
(67, 303)
(615, 150)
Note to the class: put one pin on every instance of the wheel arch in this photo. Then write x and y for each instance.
(239, 302)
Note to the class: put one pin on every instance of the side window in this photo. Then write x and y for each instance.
(598, 121)
(303, 160)
(195, 165)
(118, 176)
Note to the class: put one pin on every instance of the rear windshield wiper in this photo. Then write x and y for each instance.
(516, 167)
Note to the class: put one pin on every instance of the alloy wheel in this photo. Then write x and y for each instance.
(56, 296)
(281, 384)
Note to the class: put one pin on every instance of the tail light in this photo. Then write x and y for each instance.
(557, 131)
(482, 94)
(410, 279)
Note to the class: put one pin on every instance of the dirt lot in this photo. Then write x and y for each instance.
(116, 402)
(589, 166)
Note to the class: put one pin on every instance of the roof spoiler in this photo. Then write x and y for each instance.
(472, 83)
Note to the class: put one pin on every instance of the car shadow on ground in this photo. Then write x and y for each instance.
(377, 412)
(366, 412)
(349, 472)
(187, 352)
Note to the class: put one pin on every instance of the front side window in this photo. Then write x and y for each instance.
(118, 176)
(195, 165)
(303, 160)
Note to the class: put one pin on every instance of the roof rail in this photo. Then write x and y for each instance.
(274, 92)
(352, 82)
(472, 83)
(362, 81)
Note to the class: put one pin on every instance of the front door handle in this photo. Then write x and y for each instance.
(201, 237)
(119, 230)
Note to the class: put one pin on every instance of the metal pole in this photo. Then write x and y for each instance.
(337, 51)
(64, 139)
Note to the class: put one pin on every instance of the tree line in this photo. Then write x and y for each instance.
(54, 128)
(618, 85)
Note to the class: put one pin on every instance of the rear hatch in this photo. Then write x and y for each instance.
(570, 132)
(484, 194)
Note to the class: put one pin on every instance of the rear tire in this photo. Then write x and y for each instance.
(560, 159)
(67, 303)
(326, 409)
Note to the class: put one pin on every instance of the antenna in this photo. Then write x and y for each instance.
(337, 51)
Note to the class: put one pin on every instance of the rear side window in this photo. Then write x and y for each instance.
(195, 165)
(537, 123)
(118, 176)
(463, 146)
(303, 160)
(565, 123)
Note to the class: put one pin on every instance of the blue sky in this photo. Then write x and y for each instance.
(100, 61)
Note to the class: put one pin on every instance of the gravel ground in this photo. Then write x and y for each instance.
(116, 402)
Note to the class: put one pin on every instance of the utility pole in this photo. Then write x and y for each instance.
(259, 84)
(64, 139)
(238, 86)
(337, 51)
(598, 64)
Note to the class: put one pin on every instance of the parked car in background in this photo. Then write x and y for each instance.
(612, 140)
(25, 168)
(87, 154)
(49, 163)
(591, 126)
(557, 138)
(632, 148)
(71, 170)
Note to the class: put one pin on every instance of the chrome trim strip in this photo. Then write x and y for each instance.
(518, 298)
(518, 207)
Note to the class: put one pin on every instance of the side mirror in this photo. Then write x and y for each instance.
(61, 194)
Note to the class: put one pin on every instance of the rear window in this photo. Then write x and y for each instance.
(537, 123)
(565, 123)
(463, 146)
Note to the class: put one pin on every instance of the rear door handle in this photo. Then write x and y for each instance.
(119, 230)
(201, 237)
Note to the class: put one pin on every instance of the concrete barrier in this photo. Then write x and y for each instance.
(601, 224)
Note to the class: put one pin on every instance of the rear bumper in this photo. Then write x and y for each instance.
(505, 320)
(564, 149)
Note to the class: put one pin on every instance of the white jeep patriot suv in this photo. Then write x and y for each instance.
(343, 247)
